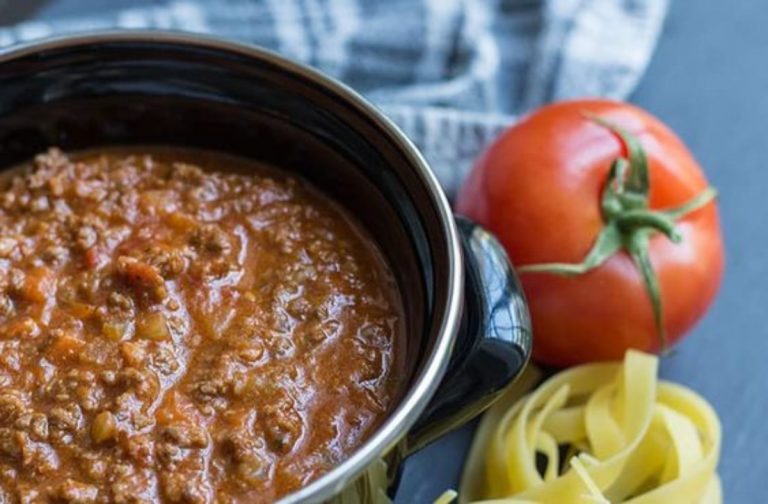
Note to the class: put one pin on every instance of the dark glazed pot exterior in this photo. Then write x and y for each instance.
(493, 344)
(466, 320)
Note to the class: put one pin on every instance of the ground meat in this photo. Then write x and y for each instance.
(142, 277)
(182, 327)
(6, 306)
(10, 446)
(170, 263)
(36, 424)
(74, 492)
(131, 486)
(181, 488)
(11, 407)
(86, 237)
(67, 418)
(211, 238)
(185, 436)
(119, 302)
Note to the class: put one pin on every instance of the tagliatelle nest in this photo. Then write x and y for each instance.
(627, 437)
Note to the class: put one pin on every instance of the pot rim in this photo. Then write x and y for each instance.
(425, 384)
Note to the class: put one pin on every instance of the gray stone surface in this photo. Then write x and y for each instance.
(709, 81)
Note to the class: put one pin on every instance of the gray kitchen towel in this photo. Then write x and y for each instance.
(451, 73)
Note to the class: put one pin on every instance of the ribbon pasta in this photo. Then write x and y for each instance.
(622, 435)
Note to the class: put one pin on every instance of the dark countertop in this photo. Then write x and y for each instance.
(708, 81)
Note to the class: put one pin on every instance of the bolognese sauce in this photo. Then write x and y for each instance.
(180, 326)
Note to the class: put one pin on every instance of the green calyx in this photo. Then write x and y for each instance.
(629, 223)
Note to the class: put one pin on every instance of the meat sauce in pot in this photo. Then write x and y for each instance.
(181, 326)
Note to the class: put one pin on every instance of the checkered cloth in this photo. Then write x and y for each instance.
(451, 73)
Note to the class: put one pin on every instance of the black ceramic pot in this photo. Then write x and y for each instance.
(467, 322)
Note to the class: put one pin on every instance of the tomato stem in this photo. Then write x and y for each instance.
(629, 223)
(638, 249)
(637, 219)
(692, 205)
(608, 242)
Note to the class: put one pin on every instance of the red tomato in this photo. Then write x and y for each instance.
(538, 189)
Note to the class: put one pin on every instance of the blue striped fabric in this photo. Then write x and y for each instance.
(451, 73)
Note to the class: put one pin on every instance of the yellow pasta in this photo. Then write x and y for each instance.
(627, 436)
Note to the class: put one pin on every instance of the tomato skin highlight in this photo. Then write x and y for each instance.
(538, 187)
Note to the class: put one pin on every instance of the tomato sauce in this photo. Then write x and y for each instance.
(181, 326)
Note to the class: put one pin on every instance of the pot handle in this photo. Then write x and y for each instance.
(494, 341)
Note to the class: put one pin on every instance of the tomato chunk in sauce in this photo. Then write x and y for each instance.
(180, 326)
